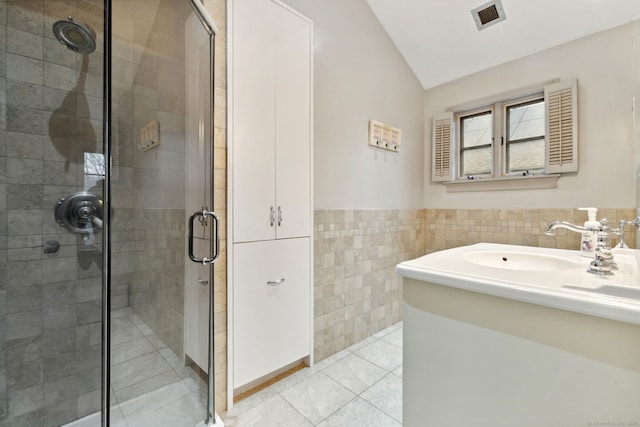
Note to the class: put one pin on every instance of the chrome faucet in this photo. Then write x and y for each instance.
(550, 231)
(603, 262)
(603, 228)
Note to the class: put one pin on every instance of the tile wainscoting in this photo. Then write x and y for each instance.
(357, 292)
(448, 228)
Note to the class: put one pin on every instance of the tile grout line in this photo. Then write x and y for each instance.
(321, 368)
(373, 404)
(356, 395)
(169, 364)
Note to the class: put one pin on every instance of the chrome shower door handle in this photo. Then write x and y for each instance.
(215, 243)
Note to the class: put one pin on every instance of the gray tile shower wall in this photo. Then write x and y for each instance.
(157, 286)
(148, 189)
(50, 303)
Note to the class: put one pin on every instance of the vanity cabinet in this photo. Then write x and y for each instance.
(519, 336)
(510, 363)
(270, 191)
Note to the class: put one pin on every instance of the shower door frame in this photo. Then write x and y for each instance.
(211, 30)
(106, 224)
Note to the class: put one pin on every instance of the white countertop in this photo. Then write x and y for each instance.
(569, 287)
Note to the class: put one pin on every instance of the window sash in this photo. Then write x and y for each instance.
(509, 168)
(477, 147)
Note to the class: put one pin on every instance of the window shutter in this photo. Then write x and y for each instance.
(561, 148)
(442, 144)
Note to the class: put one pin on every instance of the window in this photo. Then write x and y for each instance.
(94, 164)
(521, 139)
(524, 137)
(516, 148)
(476, 144)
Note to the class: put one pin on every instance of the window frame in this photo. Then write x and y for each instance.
(500, 141)
(527, 100)
(460, 136)
(561, 140)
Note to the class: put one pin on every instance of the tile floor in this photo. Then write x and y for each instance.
(150, 386)
(359, 386)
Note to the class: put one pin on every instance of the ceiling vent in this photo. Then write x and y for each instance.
(488, 14)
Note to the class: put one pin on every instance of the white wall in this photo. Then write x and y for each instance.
(360, 75)
(605, 65)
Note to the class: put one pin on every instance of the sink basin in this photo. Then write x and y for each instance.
(522, 261)
(556, 278)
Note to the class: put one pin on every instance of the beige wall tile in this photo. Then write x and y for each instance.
(357, 291)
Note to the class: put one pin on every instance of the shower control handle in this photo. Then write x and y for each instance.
(80, 213)
(215, 243)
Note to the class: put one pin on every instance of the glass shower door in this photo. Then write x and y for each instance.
(52, 170)
(153, 381)
(51, 192)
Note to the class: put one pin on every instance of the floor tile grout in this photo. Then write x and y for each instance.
(193, 385)
(137, 322)
(316, 370)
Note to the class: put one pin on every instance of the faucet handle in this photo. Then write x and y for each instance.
(620, 232)
(604, 254)
(603, 263)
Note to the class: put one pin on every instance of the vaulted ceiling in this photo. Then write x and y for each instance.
(440, 41)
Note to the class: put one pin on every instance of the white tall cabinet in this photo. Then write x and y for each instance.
(270, 190)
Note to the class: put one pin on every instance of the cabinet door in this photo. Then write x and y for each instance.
(253, 120)
(271, 322)
(293, 124)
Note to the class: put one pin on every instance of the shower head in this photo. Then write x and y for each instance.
(76, 36)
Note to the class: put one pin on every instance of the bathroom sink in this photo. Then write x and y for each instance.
(522, 261)
(556, 278)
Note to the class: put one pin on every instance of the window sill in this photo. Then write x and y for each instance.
(502, 184)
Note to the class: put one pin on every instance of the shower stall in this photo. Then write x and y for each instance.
(107, 124)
